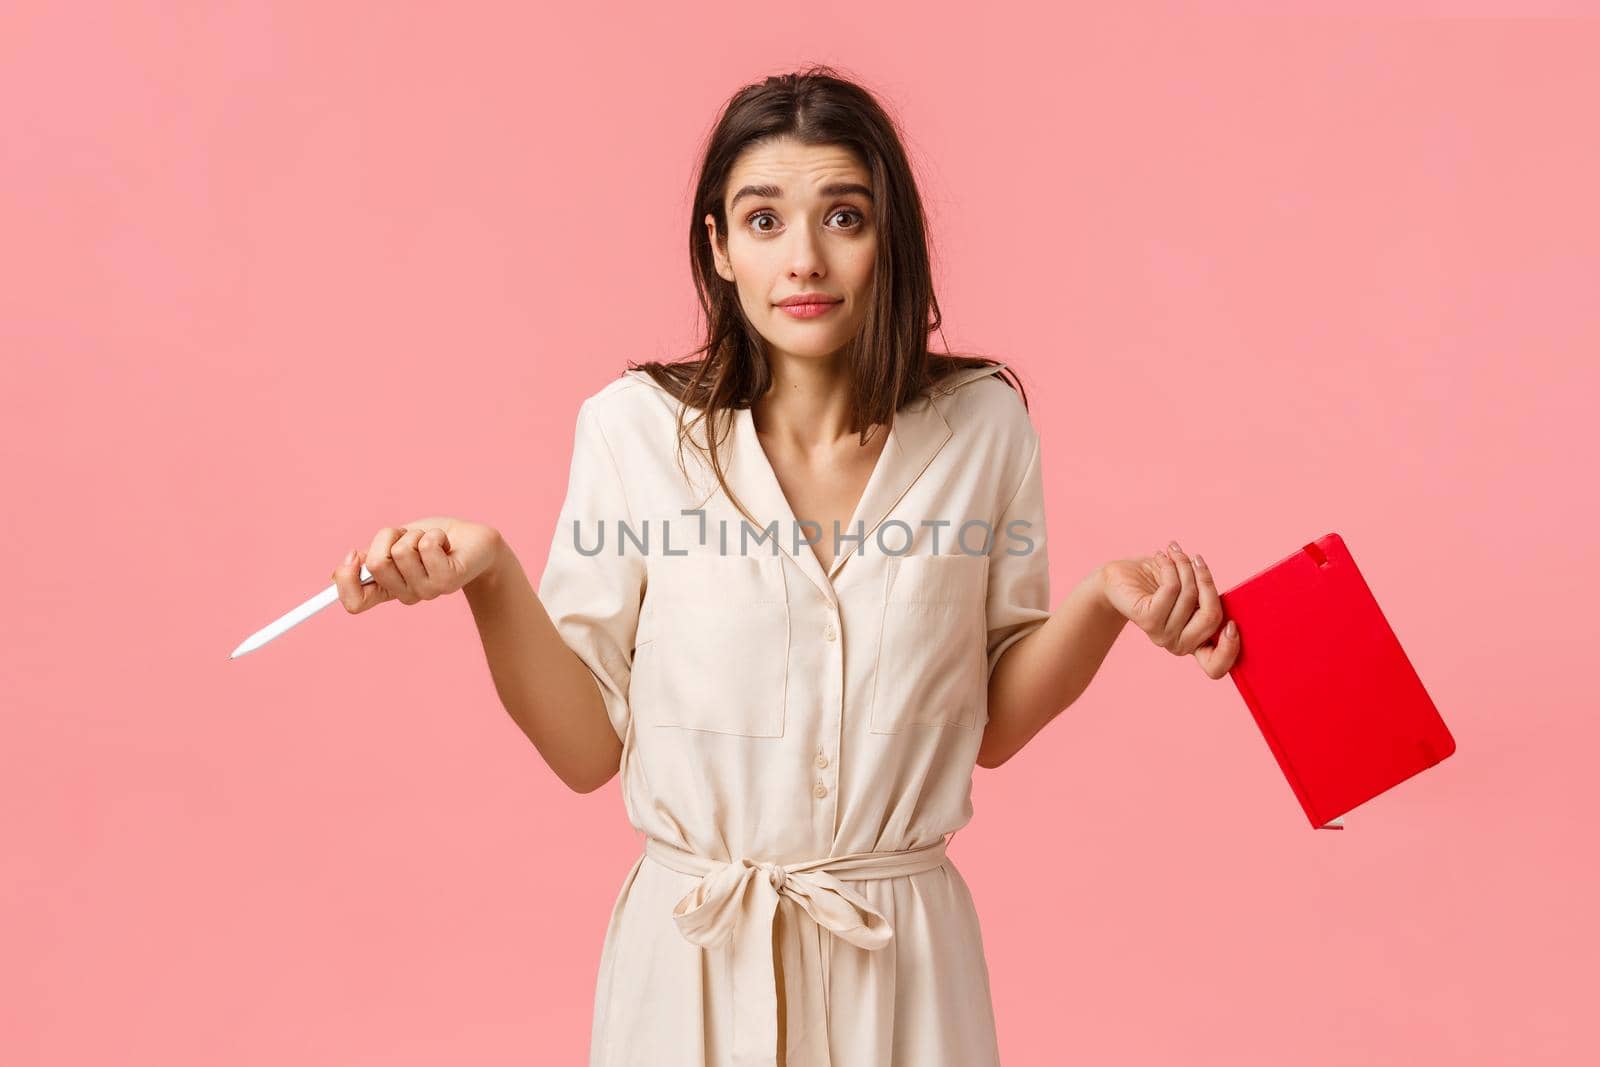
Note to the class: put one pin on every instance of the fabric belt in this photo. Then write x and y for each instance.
(739, 901)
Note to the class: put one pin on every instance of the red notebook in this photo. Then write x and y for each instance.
(1329, 685)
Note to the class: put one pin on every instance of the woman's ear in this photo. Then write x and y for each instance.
(718, 250)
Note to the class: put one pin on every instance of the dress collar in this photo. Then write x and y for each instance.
(916, 434)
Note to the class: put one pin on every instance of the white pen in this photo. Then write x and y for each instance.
(294, 618)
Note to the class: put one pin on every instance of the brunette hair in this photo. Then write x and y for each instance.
(889, 356)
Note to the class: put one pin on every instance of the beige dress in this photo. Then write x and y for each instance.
(797, 744)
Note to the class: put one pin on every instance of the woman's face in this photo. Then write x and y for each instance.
(800, 221)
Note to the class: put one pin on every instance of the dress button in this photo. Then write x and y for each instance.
(821, 790)
(822, 761)
(829, 632)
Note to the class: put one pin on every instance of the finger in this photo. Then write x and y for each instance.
(354, 595)
(435, 551)
(382, 567)
(1218, 659)
(1168, 586)
(1183, 604)
(346, 582)
(1207, 616)
(409, 564)
(372, 594)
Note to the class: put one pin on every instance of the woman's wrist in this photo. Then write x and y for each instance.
(1103, 604)
(493, 576)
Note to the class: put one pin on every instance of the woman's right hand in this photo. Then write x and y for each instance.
(422, 560)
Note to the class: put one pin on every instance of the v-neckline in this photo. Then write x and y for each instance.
(917, 432)
(890, 440)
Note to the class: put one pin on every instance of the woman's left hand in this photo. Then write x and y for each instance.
(1174, 600)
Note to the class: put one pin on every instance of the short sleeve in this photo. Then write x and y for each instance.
(593, 597)
(1019, 565)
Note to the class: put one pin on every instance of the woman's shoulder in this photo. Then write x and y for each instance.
(963, 375)
(631, 396)
(981, 400)
(638, 420)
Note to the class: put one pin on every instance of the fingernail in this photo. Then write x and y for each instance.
(1233, 628)
(1198, 562)
(349, 558)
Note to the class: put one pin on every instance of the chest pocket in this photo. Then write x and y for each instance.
(714, 647)
(931, 668)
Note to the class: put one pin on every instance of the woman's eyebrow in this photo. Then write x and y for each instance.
(773, 192)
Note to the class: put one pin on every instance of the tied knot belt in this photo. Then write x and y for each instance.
(738, 901)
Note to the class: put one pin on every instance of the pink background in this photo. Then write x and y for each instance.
(278, 275)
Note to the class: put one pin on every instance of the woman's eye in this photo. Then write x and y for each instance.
(754, 220)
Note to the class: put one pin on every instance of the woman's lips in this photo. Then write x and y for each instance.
(809, 311)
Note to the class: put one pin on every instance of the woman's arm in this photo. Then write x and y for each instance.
(1040, 675)
(1169, 596)
(546, 688)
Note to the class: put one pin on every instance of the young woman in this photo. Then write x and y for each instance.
(798, 589)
